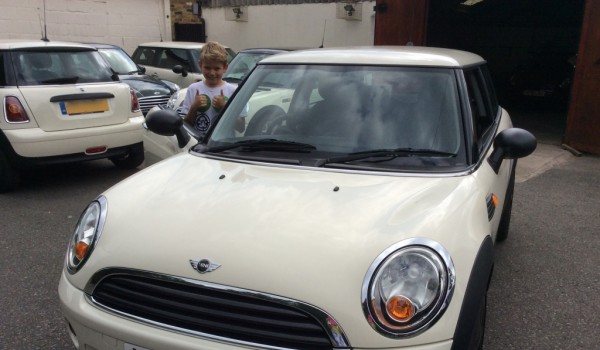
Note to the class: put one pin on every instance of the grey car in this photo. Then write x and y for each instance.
(149, 90)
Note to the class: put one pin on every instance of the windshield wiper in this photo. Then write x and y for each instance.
(388, 153)
(263, 145)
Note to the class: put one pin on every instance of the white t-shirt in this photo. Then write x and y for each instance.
(205, 119)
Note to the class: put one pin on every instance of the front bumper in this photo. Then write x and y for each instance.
(92, 328)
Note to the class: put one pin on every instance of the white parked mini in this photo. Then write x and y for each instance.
(361, 213)
(62, 103)
(175, 61)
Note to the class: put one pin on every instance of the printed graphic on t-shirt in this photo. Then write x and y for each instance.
(202, 122)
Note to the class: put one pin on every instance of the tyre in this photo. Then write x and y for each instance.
(9, 176)
(132, 160)
(478, 334)
(504, 225)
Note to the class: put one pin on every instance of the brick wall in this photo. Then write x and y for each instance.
(181, 12)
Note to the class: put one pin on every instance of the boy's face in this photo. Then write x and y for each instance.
(213, 72)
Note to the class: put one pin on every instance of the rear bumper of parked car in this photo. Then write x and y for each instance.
(93, 328)
(33, 145)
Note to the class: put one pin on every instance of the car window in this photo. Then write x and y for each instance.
(119, 61)
(60, 67)
(242, 64)
(342, 110)
(144, 56)
(231, 54)
(3, 78)
(490, 89)
(171, 57)
(480, 103)
(167, 58)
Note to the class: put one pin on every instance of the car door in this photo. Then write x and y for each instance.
(162, 60)
(488, 119)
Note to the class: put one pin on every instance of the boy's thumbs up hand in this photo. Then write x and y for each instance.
(219, 101)
(201, 102)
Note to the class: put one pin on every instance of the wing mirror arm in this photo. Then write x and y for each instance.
(512, 143)
(182, 136)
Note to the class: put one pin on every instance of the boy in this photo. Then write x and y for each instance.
(205, 99)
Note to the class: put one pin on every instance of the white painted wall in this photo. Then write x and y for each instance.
(128, 23)
(122, 22)
(290, 25)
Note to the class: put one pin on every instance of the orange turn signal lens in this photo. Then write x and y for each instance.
(495, 200)
(80, 249)
(400, 309)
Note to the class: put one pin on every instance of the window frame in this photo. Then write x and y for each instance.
(481, 138)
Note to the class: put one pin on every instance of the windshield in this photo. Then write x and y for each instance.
(241, 65)
(119, 61)
(60, 67)
(371, 117)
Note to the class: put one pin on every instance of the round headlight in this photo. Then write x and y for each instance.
(408, 287)
(173, 100)
(87, 232)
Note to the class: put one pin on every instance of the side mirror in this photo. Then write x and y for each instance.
(511, 143)
(167, 122)
(180, 70)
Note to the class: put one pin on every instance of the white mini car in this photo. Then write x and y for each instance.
(361, 216)
(62, 103)
(175, 61)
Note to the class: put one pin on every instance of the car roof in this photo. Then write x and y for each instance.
(380, 55)
(104, 46)
(15, 44)
(271, 49)
(175, 44)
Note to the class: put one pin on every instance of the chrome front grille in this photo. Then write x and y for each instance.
(213, 311)
(146, 103)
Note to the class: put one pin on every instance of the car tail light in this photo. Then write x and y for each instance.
(15, 113)
(135, 104)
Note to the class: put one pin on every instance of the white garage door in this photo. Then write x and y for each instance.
(122, 22)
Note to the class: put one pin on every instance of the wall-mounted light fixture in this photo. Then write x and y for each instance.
(238, 12)
(349, 9)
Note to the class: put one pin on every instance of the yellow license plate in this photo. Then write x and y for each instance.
(86, 106)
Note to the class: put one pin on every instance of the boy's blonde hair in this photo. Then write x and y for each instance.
(213, 51)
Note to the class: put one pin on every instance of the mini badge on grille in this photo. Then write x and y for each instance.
(204, 265)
